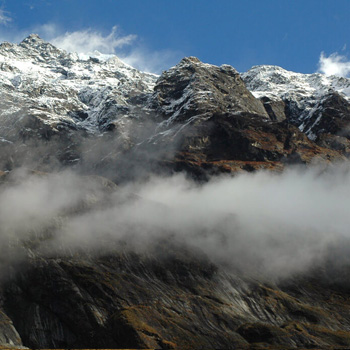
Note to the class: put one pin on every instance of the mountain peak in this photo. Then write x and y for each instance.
(33, 39)
(40, 49)
(190, 59)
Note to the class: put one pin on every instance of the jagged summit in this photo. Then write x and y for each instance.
(32, 39)
(299, 98)
(276, 81)
(205, 89)
(190, 59)
(44, 50)
(54, 85)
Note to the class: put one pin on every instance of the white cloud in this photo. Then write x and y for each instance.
(334, 64)
(87, 40)
(148, 61)
(4, 18)
(270, 223)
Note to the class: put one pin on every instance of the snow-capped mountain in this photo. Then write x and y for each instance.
(195, 114)
(276, 82)
(59, 89)
(302, 94)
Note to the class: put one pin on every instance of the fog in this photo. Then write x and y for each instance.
(263, 222)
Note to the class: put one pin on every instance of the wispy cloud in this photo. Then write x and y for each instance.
(151, 61)
(126, 47)
(88, 40)
(276, 224)
(4, 17)
(334, 64)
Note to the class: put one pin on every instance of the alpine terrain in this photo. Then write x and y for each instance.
(89, 259)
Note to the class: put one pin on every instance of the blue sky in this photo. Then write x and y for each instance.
(155, 34)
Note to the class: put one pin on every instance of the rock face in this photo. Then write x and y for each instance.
(196, 90)
(215, 125)
(100, 116)
(132, 301)
(316, 104)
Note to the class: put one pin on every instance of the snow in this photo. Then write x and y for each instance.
(279, 83)
(37, 78)
(50, 81)
(304, 91)
(95, 54)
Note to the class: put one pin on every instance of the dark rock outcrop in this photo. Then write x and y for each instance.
(329, 124)
(195, 89)
(274, 108)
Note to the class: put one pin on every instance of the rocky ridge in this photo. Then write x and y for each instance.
(316, 104)
(58, 87)
(195, 116)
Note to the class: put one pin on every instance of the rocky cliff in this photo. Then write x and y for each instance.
(148, 288)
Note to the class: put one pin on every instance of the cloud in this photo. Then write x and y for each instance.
(275, 224)
(127, 47)
(87, 40)
(334, 64)
(278, 223)
(4, 17)
(151, 61)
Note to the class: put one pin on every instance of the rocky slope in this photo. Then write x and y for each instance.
(316, 104)
(168, 295)
(59, 110)
(102, 117)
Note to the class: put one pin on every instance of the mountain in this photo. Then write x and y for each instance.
(87, 262)
(318, 105)
(195, 117)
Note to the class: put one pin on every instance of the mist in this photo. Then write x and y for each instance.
(263, 222)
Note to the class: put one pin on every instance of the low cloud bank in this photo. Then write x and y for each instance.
(275, 224)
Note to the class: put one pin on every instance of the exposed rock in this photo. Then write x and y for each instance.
(193, 90)
(318, 105)
(275, 108)
(46, 90)
(9, 336)
(199, 117)
(171, 297)
(331, 116)
(128, 300)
